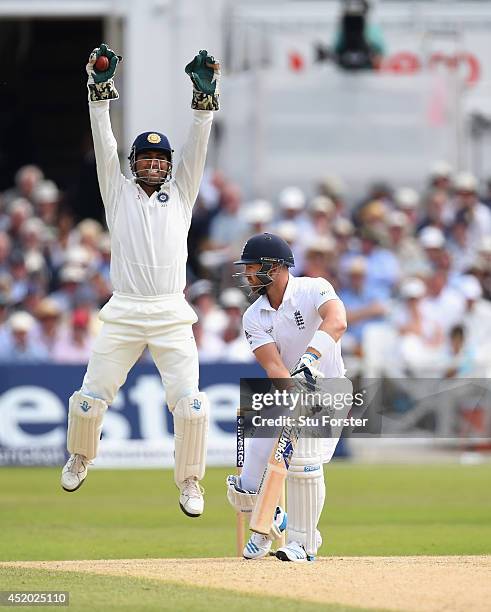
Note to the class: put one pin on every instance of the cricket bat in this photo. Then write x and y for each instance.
(273, 480)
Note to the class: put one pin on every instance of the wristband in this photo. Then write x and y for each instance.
(322, 342)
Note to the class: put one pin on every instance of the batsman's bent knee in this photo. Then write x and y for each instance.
(85, 416)
(191, 416)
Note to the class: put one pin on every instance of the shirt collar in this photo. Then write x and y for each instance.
(287, 296)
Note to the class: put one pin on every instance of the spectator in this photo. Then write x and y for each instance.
(48, 315)
(477, 316)
(441, 176)
(210, 345)
(20, 277)
(432, 241)
(236, 348)
(5, 247)
(461, 356)
(422, 337)
(478, 215)
(26, 180)
(407, 201)
(439, 211)
(228, 227)
(442, 302)
(459, 246)
(382, 267)
(71, 279)
(75, 345)
(292, 202)
(19, 346)
(258, 216)
(212, 317)
(320, 258)
(405, 247)
(322, 211)
(363, 303)
(46, 198)
(19, 211)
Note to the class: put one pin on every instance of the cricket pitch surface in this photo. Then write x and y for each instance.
(419, 584)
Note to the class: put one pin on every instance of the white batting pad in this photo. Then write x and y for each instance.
(85, 416)
(240, 499)
(191, 416)
(306, 494)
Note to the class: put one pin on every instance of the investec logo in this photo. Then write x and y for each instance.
(286, 435)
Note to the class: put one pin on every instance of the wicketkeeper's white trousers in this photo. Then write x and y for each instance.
(131, 323)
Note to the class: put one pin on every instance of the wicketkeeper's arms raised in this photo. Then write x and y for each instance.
(204, 72)
(101, 84)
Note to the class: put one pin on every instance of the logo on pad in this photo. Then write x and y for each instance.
(85, 406)
(196, 404)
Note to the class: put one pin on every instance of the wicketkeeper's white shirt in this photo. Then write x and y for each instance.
(148, 235)
(292, 326)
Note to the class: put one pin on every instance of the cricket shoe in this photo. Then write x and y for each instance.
(259, 545)
(295, 552)
(74, 473)
(191, 499)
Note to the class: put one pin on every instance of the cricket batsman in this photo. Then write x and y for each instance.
(294, 325)
(148, 218)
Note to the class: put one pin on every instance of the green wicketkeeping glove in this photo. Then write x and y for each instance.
(204, 72)
(100, 84)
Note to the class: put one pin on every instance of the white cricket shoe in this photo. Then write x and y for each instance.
(191, 499)
(293, 552)
(259, 545)
(74, 473)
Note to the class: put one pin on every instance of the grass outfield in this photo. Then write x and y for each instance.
(118, 593)
(370, 510)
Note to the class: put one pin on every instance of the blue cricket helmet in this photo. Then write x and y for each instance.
(266, 248)
(151, 141)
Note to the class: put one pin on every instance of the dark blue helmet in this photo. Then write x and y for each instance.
(266, 248)
(151, 141)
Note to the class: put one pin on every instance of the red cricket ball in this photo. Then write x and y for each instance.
(102, 64)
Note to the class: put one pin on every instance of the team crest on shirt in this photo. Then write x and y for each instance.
(163, 198)
(299, 319)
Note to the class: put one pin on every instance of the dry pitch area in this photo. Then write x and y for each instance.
(423, 584)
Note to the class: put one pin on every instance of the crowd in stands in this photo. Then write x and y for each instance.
(413, 268)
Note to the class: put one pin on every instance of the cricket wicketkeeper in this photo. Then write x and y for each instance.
(148, 218)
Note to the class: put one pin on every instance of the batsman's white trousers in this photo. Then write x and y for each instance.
(131, 323)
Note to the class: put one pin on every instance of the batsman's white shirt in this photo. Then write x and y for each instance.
(292, 326)
(148, 234)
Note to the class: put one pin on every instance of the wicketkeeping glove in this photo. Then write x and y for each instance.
(100, 84)
(204, 72)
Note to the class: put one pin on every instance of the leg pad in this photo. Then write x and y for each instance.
(85, 416)
(191, 415)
